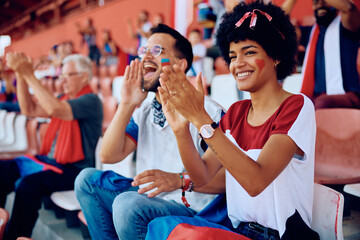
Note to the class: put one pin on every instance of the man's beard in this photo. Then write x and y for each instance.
(151, 87)
(326, 19)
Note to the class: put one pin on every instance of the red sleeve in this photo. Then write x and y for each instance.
(235, 111)
(287, 114)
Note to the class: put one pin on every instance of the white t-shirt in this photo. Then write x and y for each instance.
(157, 147)
(292, 190)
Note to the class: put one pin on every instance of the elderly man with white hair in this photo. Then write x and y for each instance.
(69, 142)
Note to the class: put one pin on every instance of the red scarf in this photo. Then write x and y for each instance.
(308, 84)
(357, 4)
(68, 148)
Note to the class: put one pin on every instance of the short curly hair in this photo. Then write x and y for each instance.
(277, 37)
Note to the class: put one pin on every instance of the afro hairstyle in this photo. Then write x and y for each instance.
(277, 37)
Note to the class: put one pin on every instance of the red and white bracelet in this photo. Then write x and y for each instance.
(186, 185)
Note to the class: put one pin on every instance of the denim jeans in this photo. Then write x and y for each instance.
(113, 212)
(257, 232)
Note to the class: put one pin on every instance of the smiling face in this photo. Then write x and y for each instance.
(73, 81)
(152, 64)
(323, 12)
(250, 65)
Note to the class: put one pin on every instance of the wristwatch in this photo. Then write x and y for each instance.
(208, 130)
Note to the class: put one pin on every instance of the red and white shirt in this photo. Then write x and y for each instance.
(293, 189)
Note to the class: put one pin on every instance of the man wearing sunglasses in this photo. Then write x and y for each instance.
(114, 206)
(69, 142)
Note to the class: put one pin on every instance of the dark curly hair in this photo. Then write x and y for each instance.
(277, 37)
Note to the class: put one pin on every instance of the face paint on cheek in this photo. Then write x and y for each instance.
(260, 63)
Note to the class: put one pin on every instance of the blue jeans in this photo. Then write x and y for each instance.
(257, 232)
(114, 210)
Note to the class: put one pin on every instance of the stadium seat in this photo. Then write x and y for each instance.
(106, 87)
(224, 90)
(337, 151)
(109, 108)
(94, 84)
(2, 124)
(8, 129)
(20, 143)
(113, 71)
(327, 215)
(293, 83)
(116, 87)
(353, 189)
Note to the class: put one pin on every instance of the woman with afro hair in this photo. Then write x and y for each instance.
(265, 144)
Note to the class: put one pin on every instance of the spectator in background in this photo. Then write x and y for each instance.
(207, 19)
(330, 76)
(88, 34)
(199, 51)
(157, 19)
(69, 142)
(143, 26)
(69, 47)
(110, 50)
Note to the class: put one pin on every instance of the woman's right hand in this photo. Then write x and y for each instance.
(173, 117)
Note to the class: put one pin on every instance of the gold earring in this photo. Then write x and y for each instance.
(276, 63)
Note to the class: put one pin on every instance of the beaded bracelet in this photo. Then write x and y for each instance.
(186, 185)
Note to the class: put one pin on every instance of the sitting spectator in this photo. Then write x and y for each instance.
(69, 142)
(88, 34)
(330, 76)
(111, 196)
(157, 19)
(266, 143)
(110, 51)
(199, 51)
(143, 26)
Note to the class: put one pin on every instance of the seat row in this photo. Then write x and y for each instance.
(327, 213)
(18, 135)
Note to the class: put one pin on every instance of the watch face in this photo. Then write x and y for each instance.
(207, 131)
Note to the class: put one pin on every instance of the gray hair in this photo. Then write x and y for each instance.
(82, 63)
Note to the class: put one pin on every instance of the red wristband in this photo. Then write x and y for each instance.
(185, 187)
(187, 181)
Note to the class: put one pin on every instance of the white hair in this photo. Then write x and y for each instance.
(82, 63)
